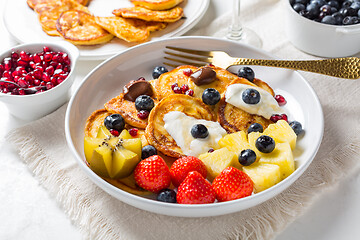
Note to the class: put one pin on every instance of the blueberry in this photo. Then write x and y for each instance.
(265, 144)
(313, 10)
(355, 5)
(304, 2)
(211, 96)
(251, 96)
(298, 7)
(359, 13)
(148, 151)
(319, 3)
(167, 195)
(114, 122)
(296, 126)
(199, 131)
(255, 127)
(158, 70)
(144, 102)
(346, 4)
(246, 72)
(338, 18)
(350, 20)
(329, 20)
(247, 157)
(334, 4)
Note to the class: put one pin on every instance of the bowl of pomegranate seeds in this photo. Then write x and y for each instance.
(324, 28)
(36, 78)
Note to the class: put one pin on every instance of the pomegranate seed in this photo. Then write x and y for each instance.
(184, 88)
(280, 99)
(57, 58)
(140, 78)
(32, 64)
(114, 132)
(211, 150)
(21, 91)
(14, 56)
(211, 65)
(37, 58)
(2, 68)
(16, 79)
(177, 90)
(277, 117)
(59, 80)
(48, 57)
(66, 59)
(50, 70)
(42, 83)
(174, 85)
(37, 82)
(7, 64)
(45, 77)
(24, 56)
(23, 83)
(7, 74)
(37, 73)
(190, 92)
(46, 49)
(187, 72)
(59, 66)
(49, 85)
(22, 62)
(143, 114)
(15, 73)
(133, 132)
(284, 117)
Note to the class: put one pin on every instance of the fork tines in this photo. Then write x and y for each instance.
(195, 58)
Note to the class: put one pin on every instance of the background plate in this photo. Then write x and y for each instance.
(22, 23)
(107, 80)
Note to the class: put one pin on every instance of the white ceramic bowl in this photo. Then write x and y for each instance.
(31, 107)
(108, 79)
(321, 39)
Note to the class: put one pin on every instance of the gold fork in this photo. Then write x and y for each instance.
(348, 67)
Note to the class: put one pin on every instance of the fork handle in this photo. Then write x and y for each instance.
(337, 67)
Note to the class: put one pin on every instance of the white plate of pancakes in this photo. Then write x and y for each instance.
(23, 24)
(108, 79)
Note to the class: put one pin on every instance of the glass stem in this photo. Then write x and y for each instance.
(235, 30)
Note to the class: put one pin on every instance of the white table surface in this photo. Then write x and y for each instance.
(28, 212)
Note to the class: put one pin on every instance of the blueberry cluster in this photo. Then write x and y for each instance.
(334, 12)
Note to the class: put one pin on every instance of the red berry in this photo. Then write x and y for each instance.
(195, 189)
(133, 132)
(177, 90)
(114, 132)
(277, 117)
(152, 174)
(182, 166)
(280, 99)
(174, 85)
(184, 88)
(189, 92)
(187, 72)
(143, 114)
(232, 184)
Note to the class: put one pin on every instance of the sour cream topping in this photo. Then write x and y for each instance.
(179, 125)
(266, 107)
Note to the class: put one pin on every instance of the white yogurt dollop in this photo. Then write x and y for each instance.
(266, 107)
(179, 125)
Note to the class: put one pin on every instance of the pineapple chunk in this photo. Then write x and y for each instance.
(281, 156)
(218, 160)
(263, 175)
(252, 139)
(235, 142)
(281, 132)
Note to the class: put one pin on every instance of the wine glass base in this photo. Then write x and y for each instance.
(246, 36)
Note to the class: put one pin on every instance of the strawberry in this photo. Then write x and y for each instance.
(232, 184)
(152, 174)
(195, 189)
(182, 166)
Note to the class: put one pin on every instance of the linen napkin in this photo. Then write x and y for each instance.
(100, 216)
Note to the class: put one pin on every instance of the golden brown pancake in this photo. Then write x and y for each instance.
(156, 4)
(80, 28)
(169, 16)
(155, 132)
(130, 30)
(94, 121)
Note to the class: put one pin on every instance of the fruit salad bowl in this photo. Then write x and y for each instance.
(32, 84)
(109, 78)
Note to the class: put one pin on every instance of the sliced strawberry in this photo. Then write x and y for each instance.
(182, 166)
(152, 174)
(195, 189)
(232, 184)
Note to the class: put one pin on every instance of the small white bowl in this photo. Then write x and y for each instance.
(321, 39)
(34, 106)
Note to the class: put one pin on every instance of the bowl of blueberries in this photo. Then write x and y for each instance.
(325, 28)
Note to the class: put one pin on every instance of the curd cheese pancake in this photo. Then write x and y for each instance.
(156, 4)
(130, 30)
(49, 12)
(155, 131)
(127, 110)
(32, 3)
(169, 16)
(80, 28)
(94, 121)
